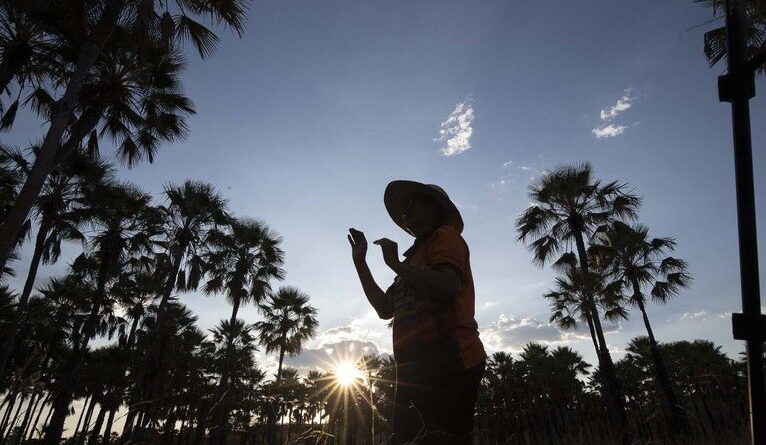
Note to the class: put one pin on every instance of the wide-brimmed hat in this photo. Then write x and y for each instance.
(398, 193)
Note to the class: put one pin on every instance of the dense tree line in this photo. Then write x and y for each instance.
(548, 396)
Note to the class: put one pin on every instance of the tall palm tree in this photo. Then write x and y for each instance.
(61, 210)
(235, 347)
(568, 206)
(126, 228)
(241, 263)
(289, 322)
(100, 19)
(180, 339)
(193, 209)
(636, 262)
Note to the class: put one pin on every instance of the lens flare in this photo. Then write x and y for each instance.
(347, 374)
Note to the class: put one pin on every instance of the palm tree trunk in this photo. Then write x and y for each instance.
(131, 409)
(150, 352)
(21, 309)
(676, 418)
(108, 429)
(15, 417)
(271, 418)
(97, 425)
(614, 396)
(218, 432)
(86, 424)
(37, 418)
(46, 159)
(81, 129)
(31, 408)
(281, 360)
(589, 319)
(11, 400)
(47, 419)
(82, 415)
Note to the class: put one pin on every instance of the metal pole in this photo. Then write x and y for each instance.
(737, 87)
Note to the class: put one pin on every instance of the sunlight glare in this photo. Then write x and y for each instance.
(347, 374)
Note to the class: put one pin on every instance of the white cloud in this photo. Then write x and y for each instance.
(609, 131)
(456, 131)
(366, 334)
(330, 355)
(701, 315)
(510, 334)
(623, 103)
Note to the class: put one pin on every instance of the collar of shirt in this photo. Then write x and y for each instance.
(418, 242)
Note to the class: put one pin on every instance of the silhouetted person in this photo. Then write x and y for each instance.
(439, 357)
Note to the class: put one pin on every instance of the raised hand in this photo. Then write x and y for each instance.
(358, 244)
(390, 253)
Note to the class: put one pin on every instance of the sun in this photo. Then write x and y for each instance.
(347, 374)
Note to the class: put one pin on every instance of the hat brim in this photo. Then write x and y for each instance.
(398, 192)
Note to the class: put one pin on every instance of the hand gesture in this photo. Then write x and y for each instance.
(358, 244)
(390, 252)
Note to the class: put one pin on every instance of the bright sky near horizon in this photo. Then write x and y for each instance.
(303, 122)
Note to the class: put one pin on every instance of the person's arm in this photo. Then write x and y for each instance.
(382, 302)
(440, 282)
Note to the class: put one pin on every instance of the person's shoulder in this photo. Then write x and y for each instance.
(448, 230)
(449, 234)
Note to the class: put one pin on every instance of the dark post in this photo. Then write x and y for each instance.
(738, 87)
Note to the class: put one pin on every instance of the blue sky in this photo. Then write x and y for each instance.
(303, 122)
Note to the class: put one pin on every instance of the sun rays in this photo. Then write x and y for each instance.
(348, 374)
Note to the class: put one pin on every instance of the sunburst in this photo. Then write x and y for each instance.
(348, 374)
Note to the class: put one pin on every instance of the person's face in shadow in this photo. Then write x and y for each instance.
(422, 215)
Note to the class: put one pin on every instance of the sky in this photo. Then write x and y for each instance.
(303, 121)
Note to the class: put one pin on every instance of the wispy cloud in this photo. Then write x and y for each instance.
(701, 315)
(609, 131)
(513, 171)
(623, 103)
(455, 133)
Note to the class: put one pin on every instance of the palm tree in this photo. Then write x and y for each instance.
(715, 40)
(61, 209)
(179, 342)
(144, 20)
(569, 298)
(634, 262)
(235, 347)
(193, 209)
(568, 205)
(126, 227)
(241, 263)
(289, 322)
